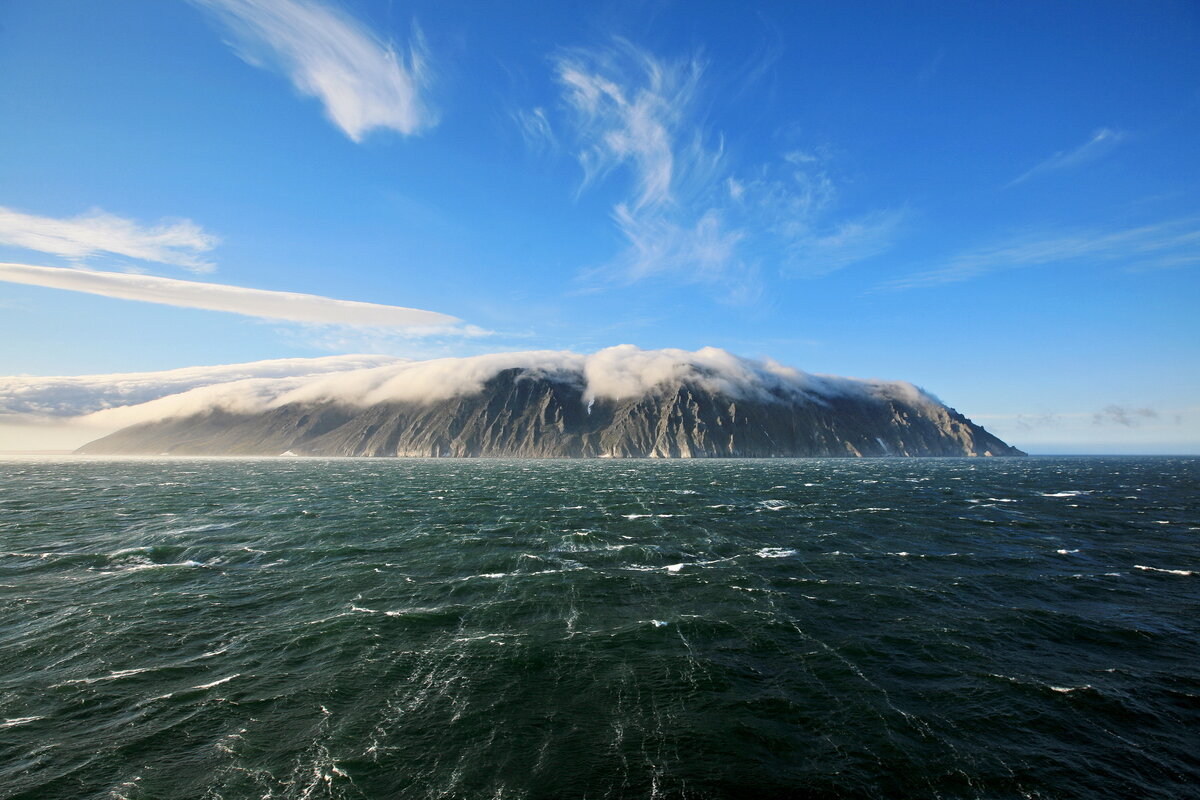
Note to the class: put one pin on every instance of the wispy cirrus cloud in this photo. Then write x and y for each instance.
(363, 82)
(259, 303)
(630, 109)
(535, 128)
(179, 242)
(1101, 143)
(689, 214)
(1167, 244)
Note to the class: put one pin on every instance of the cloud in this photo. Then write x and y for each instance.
(705, 250)
(1114, 429)
(847, 242)
(66, 412)
(233, 299)
(629, 108)
(687, 214)
(536, 129)
(65, 396)
(364, 83)
(1123, 415)
(41, 413)
(1174, 242)
(613, 373)
(177, 242)
(1102, 143)
(631, 111)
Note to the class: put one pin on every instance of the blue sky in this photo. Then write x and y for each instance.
(998, 202)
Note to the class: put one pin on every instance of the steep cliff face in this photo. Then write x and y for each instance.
(522, 414)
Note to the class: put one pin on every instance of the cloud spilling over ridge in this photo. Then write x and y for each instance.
(259, 303)
(363, 82)
(176, 242)
(614, 373)
(64, 396)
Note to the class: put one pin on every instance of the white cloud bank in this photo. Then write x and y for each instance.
(259, 303)
(616, 373)
(177, 242)
(364, 83)
(74, 395)
(57, 413)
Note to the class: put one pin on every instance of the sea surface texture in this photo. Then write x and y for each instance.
(953, 628)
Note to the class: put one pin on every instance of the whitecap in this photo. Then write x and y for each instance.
(1168, 571)
(112, 676)
(140, 567)
(483, 637)
(1063, 552)
(636, 516)
(1063, 494)
(775, 552)
(13, 722)
(212, 526)
(217, 682)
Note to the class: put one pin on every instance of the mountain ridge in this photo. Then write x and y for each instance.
(522, 412)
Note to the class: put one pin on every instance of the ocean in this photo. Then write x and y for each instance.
(812, 628)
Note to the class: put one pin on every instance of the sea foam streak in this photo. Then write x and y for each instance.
(1168, 571)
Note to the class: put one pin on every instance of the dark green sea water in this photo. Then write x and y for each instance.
(1024, 628)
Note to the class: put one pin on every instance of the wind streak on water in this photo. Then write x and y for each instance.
(821, 628)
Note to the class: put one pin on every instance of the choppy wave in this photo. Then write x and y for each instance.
(820, 628)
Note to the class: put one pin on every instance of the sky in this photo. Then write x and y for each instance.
(998, 202)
